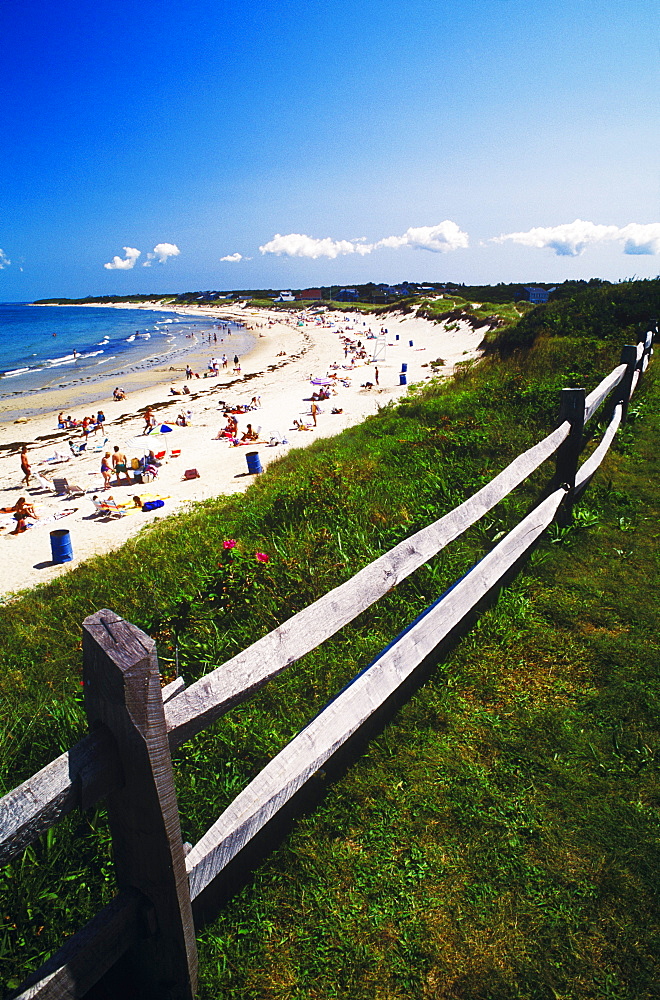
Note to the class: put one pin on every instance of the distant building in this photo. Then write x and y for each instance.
(347, 295)
(310, 293)
(537, 295)
(285, 297)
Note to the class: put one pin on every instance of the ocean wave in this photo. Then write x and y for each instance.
(15, 371)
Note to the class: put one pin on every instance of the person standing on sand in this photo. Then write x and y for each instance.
(106, 470)
(25, 465)
(376, 376)
(314, 411)
(119, 464)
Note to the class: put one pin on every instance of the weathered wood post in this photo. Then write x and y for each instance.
(629, 358)
(122, 693)
(568, 454)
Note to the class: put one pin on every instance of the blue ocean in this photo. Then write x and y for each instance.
(57, 347)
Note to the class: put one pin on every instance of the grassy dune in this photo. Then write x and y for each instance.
(499, 838)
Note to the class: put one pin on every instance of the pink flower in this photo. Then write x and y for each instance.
(261, 557)
(229, 543)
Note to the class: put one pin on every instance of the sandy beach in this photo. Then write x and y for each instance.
(290, 349)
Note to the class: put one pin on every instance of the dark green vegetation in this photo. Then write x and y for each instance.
(500, 838)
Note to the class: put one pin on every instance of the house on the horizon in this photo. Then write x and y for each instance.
(285, 297)
(315, 294)
(537, 295)
(347, 295)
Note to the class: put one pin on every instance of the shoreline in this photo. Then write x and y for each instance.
(141, 373)
(288, 350)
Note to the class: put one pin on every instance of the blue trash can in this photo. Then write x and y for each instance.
(404, 366)
(253, 463)
(397, 336)
(403, 379)
(410, 343)
(60, 545)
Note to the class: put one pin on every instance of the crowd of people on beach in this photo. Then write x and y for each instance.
(117, 469)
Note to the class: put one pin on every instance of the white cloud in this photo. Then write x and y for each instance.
(298, 245)
(641, 239)
(571, 239)
(161, 253)
(4, 260)
(128, 261)
(439, 239)
(443, 237)
(233, 258)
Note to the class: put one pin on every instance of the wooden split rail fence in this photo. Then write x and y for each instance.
(149, 928)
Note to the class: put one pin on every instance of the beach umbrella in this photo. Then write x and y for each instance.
(142, 444)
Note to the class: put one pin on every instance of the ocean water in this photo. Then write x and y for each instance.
(61, 347)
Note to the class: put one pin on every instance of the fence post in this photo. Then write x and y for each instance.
(629, 358)
(122, 693)
(568, 454)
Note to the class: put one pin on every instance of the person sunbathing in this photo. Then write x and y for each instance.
(250, 434)
(22, 510)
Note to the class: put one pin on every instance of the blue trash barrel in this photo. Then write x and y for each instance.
(60, 545)
(397, 336)
(404, 366)
(403, 379)
(410, 343)
(253, 463)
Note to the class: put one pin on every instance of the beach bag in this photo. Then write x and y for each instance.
(153, 504)
(191, 474)
(135, 463)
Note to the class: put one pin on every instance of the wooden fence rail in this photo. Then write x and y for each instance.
(148, 931)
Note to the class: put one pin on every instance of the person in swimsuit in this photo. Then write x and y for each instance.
(106, 470)
(25, 465)
(22, 510)
(119, 464)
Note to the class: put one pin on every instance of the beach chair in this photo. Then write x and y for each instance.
(43, 482)
(77, 449)
(73, 490)
(61, 487)
(107, 507)
(99, 447)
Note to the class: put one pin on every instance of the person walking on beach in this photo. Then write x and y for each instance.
(149, 420)
(25, 466)
(314, 410)
(224, 360)
(376, 375)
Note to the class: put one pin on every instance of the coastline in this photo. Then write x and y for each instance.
(91, 385)
(289, 348)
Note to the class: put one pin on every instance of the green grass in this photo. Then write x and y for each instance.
(500, 837)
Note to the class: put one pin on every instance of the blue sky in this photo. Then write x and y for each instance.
(326, 143)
